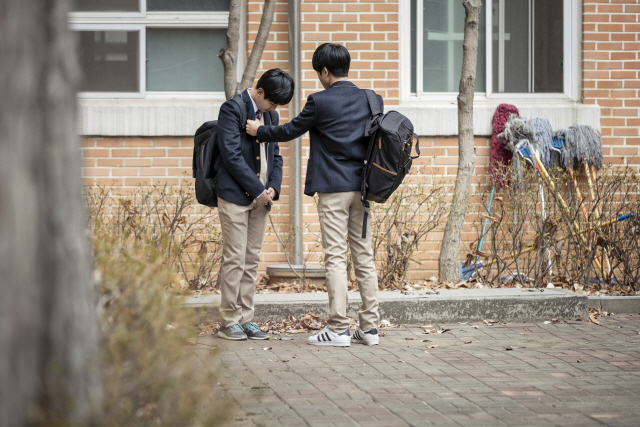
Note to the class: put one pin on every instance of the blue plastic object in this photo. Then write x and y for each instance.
(557, 144)
(465, 273)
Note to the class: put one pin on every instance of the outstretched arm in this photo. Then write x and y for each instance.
(288, 131)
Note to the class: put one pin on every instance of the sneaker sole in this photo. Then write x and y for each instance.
(355, 341)
(256, 338)
(226, 337)
(331, 343)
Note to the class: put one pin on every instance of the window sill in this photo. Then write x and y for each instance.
(441, 118)
(146, 117)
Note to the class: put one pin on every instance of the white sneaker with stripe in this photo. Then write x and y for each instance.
(327, 337)
(369, 337)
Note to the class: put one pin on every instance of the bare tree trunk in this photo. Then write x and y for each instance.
(229, 56)
(448, 268)
(258, 46)
(49, 373)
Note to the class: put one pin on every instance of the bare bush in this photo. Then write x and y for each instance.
(402, 223)
(575, 242)
(168, 219)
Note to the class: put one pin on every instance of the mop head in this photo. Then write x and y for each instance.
(500, 156)
(543, 139)
(585, 143)
(517, 134)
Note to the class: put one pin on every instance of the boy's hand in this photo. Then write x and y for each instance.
(265, 198)
(252, 127)
(272, 193)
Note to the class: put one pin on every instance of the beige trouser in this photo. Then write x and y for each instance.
(243, 229)
(341, 215)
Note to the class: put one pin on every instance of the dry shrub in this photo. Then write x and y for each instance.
(398, 226)
(168, 219)
(151, 373)
(525, 246)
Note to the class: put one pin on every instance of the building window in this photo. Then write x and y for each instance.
(524, 47)
(135, 48)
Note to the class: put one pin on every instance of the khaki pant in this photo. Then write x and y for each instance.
(341, 215)
(243, 229)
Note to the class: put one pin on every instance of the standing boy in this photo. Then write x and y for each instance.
(249, 181)
(335, 119)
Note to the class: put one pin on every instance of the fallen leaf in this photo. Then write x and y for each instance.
(546, 322)
(467, 342)
(578, 361)
(267, 348)
(401, 361)
(442, 331)
(409, 339)
(463, 323)
(430, 340)
(432, 346)
(192, 341)
(285, 360)
(592, 317)
(508, 348)
(382, 334)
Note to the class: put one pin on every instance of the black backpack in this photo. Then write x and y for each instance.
(388, 157)
(206, 157)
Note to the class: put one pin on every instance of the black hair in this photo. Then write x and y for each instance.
(277, 85)
(334, 57)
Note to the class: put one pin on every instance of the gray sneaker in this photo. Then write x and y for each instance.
(253, 332)
(233, 332)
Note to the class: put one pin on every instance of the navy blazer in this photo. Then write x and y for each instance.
(239, 171)
(335, 119)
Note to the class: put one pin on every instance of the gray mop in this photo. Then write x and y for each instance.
(584, 143)
(543, 140)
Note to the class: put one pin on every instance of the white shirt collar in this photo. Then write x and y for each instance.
(255, 107)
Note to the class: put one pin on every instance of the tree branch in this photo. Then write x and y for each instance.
(229, 57)
(258, 47)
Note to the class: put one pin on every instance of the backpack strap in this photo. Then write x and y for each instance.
(376, 112)
(369, 130)
(243, 111)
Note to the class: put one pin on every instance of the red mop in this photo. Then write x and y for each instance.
(500, 157)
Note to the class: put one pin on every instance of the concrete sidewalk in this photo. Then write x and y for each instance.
(450, 305)
(571, 373)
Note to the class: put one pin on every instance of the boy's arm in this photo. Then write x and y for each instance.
(229, 143)
(295, 128)
(275, 177)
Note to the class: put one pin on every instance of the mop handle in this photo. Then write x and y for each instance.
(486, 220)
(563, 205)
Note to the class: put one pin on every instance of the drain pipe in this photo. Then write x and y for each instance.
(295, 146)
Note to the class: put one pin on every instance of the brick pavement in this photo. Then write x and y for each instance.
(565, 374)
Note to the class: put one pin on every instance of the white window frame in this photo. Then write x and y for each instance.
(572, 34)
(139, 21)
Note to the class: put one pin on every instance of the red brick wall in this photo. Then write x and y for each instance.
(611, 42)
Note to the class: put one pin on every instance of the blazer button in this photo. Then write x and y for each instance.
(257, 157)
(258, 174)
(246, 194)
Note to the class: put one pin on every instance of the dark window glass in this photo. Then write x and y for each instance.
(188, 5)
(531, 60)
(548, 47)
(106, 5)
(109, 61)
(185, 59)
